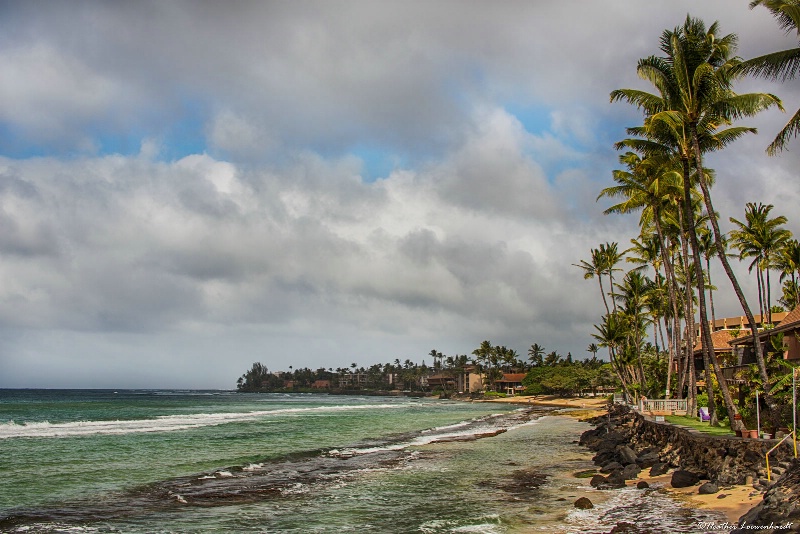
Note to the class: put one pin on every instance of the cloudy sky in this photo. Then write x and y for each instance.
(189, 187)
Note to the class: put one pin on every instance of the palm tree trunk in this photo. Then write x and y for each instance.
(762, 368)
(760, 282)
(769, 295)
(603, 292)
(671, 285)
(710, 292)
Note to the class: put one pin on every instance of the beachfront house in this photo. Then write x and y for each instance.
(510, 383)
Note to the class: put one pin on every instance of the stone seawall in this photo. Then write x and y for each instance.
(723, 460)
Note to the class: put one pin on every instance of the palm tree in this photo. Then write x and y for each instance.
(535, 354)
(649, 184)
(762, 239)
(695, 98)
(781, 65)
(611, 333)
(611, 256)
(593, 348)
(597, 267)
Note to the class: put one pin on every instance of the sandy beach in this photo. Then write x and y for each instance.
(580, 407)
(733, 501)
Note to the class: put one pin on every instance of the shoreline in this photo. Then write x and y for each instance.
(575, 407)
(732, 501)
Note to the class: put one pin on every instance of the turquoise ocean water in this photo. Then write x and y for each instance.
(203, 461)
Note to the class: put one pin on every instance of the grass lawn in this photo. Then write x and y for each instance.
(695, 423)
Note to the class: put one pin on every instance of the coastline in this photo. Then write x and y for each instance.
(732, 501)
(576, 407)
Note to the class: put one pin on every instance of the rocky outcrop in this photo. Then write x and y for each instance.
(624, 439)
(780, 507)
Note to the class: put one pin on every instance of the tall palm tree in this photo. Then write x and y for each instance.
(781, 65)
(612, 256)
(695, 98)
(597, 267)
(761, 238)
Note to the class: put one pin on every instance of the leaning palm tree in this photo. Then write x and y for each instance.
(781, 65)
(695, 97)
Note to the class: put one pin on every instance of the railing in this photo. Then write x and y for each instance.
(787, 436)
(664, 405)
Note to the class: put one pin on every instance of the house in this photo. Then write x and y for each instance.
(510, 383)
(789, 327)
(321, 384)
(721, 341)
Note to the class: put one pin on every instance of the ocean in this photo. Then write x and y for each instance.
(162, 461)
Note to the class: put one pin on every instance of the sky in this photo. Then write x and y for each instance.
(189, 187)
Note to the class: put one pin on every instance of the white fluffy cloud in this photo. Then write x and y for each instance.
(270, 235)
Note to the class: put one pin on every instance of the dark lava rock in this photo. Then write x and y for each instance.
(642, 485)
(624, 528)
(631, 471)
(659, 468)
(646, 460)
(615, 480)
(779, 508)
(611, 467)
(683, 479)
(709, 488)
(583, 504)
(597, 481)
(627, 455)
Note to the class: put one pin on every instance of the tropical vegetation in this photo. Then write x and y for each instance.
(649, 327)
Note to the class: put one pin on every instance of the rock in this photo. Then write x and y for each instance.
(642, 485)
(646, 460)
(683, 479)
(624, 528)
(627, 455)
(615, 480)
(611, 467)
(583, 504)
(597, 481)
(709, 488)
(631, 471)
(779, 507)
(658, 469)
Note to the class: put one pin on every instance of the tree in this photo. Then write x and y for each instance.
(782, 65)
(535, 355)
(596, 267)
(695, 98)
(762, 239)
